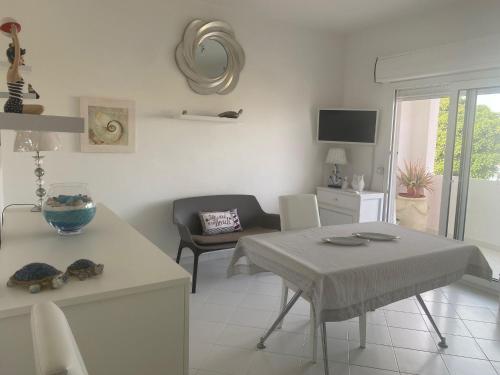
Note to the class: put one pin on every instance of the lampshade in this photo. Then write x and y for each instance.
(336, 156)
(31, 141)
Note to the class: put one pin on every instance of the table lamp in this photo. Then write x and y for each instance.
(35, 141)
(336, 156)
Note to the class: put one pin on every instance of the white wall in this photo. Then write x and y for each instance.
(460, 21)
(125, 49)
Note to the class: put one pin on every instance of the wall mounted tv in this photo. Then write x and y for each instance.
(356, 126)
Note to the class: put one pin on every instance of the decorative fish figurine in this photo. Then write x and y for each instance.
(231, 114)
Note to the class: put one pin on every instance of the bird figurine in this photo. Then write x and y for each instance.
(231, 114)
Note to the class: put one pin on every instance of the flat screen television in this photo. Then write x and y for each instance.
(357, 126)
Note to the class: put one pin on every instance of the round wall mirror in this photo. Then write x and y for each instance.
(210, 58)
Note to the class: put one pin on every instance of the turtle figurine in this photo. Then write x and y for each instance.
(231, 114)
(84, 268)
(36, 276)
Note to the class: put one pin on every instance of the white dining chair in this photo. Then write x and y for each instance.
(300, 211)
(55, 348)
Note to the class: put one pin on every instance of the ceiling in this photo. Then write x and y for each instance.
(336, 15)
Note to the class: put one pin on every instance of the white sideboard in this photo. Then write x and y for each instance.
(338, 206)
(133, 319)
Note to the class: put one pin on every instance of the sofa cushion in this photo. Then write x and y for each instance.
(218, 222)
(229, 237)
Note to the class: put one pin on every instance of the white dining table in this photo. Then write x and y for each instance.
(343, 282)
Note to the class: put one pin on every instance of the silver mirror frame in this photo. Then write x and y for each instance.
(196, 32)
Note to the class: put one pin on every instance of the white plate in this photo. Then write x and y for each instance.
(346, 241)
(376, 236)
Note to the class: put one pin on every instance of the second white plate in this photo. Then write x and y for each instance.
(346, 241)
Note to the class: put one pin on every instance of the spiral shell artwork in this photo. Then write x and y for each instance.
(107, 125)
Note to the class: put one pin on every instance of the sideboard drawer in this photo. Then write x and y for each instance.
(338, 200)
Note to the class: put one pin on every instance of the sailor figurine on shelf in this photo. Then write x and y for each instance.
(15, 82)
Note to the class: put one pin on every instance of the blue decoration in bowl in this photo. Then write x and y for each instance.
(68, 208)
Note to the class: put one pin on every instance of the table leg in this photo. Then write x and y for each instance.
(442, 343)
(325, 348)
(278, 320)
(362, 330)
(284, 299)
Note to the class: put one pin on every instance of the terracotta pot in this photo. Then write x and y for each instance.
(411, 191)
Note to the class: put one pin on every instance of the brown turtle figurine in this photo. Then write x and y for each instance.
(84, 268)
(36, 276)
(231, 114)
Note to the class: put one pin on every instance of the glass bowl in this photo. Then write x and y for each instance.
(68, 207)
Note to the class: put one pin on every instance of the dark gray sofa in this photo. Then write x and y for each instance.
(252, 218)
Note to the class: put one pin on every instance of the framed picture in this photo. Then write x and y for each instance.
(109, 125)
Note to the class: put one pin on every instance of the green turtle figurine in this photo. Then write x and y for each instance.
(84, 268)
(36, 276)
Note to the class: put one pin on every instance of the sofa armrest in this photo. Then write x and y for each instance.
(185, 233)
(270, 221)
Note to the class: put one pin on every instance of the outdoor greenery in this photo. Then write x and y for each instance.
(485, 146)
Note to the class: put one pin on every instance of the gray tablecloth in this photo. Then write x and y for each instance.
(342, 282)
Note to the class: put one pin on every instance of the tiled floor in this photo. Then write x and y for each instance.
(229, 315)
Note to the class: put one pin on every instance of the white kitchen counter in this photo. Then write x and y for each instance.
(132, 319)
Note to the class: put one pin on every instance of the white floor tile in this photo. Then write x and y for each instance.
(239, 337)
(338, 330)
(260, 302)
(373, 317)
(468, 366)
(265, 363)
(434, 296)
(406, 305)
(265, 288)
(446, 310)
(292, 322)
(412, 339)
(483, 330)
(228, 360)
(481, 314)
(490, 348)
(496, 365)
(461, 346)
(213, 313)
(301, 307)
(448, 326)
(375, 334)
(422, 363)
(203, 331)
(223, 297)
(378, 356)
(358, 370)
(286, 343)
(405, 320)
(250, 317)
(198, 354)
(338, 350)
(336, 368)
(205, 372)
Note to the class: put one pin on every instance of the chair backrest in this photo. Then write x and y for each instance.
(186, 209)
(56, 351)
(299, 211)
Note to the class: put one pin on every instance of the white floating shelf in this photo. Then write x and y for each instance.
(23, 68)
(208, 118)
(26, 95)
(20, 121)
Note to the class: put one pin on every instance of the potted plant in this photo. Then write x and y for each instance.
(411, 207)
(416, 179)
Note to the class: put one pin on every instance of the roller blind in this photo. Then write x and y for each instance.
(462, 57)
